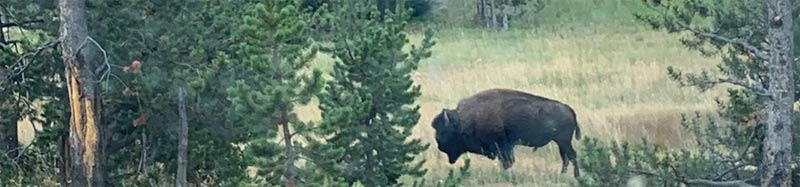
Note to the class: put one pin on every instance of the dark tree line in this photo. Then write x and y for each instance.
(495, 14)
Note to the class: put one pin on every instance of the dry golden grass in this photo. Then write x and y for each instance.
(615, 79)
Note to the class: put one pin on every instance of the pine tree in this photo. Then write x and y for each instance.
(368, 107)
(274, 47)
(739, 33)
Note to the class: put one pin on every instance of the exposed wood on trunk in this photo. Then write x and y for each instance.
(183, 140)
(776, 170)
(85, 142)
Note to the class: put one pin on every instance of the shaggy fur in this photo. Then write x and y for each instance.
(493, 121)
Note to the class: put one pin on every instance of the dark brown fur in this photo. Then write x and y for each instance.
(493, 121)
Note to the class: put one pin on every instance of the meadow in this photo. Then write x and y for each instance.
(615, 79)
(591, 55)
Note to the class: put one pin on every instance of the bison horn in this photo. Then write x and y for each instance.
(446, 119)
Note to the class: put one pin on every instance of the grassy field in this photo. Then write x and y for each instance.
(615, 78)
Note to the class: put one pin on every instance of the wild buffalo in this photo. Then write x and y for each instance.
(493, 121)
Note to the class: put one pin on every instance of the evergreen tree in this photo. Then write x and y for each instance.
(368, 107)
(178, 44)
(735, 31)
(274, 46)
(28, 90)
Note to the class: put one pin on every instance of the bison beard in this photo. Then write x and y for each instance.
(493, 121)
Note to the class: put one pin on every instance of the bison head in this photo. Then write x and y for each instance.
(448, 134)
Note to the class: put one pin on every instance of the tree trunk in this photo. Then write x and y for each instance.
(776, 170)
(183, 140)
(494, 14)
(505, 21)
(480, 16)
(290, 157)
(85, 142)
(9, 140)
(283, 119)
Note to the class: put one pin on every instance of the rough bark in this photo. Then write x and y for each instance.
(85, 142)
(776, 170)
(183, 140)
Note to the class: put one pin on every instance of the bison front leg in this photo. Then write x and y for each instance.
(507, 156)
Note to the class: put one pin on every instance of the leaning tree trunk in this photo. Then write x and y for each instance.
(85, 143)
(776, 170)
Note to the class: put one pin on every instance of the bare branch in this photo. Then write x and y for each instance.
(105, 56)
(16, 24)
(738, 82)
(733, 183)
(21, 65)
(695, 182)
(757, 52)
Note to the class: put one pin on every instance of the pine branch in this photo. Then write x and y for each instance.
(757, 52)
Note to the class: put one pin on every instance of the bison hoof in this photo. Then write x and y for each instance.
(506, 165)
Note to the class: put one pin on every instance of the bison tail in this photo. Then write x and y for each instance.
(577, 131)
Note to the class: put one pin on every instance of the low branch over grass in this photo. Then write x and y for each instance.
(694, 182)
(757, 52)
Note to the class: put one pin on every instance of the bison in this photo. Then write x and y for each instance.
(493, 121)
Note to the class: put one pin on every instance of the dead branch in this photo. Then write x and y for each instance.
(695, 182)
(738, 82)
(21, 65)
(757, 52)
(21, 23)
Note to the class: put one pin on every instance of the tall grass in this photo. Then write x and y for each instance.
(614, 77)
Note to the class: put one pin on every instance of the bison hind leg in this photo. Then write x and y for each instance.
(568, 155)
